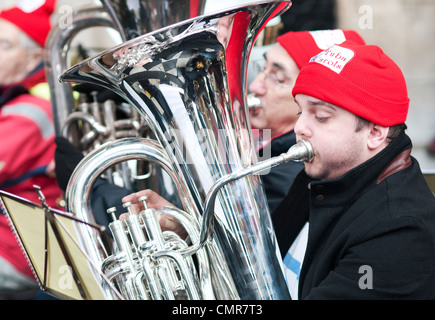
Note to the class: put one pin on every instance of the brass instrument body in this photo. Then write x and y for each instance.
(128, 18)
(55, 59)
(113, 266)
(134, 19)
(89, 124)
(188, 82)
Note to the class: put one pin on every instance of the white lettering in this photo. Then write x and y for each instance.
(65, 17)
(66, 280)
(334, 58)
(366, 281)
(189, 310)
(366, 20)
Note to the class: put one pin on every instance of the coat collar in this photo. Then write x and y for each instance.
(330, 197)
(33, 78)
(348, 188)
(402, 161)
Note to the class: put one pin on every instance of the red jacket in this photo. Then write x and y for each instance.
(27, 148)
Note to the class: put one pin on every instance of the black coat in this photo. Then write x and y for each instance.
(371, 232)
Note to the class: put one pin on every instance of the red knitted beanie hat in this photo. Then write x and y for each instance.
(32, 17)
(302, 45)
(359, 78)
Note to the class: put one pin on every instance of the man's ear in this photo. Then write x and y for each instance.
(377, 136)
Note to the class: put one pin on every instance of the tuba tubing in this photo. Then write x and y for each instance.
(78, 201)
(55, 58)
(301, 151)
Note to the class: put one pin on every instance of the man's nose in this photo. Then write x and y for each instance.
(302, 128)
(258, 86)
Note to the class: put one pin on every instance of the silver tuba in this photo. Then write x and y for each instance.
(188, 82)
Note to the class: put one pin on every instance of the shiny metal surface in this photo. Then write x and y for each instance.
(83, 179)
(129, 18)
(88, 124)
(56, 58)
(188, 82)
(301, 151)
(135, 18)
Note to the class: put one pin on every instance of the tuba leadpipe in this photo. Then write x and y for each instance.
(188, 82)
(301, 151)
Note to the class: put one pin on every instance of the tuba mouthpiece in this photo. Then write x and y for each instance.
(301, 151)
(253, 102)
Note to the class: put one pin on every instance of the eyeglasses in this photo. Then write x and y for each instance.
(6, 45)
(275, 78)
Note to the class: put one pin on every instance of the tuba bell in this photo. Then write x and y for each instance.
(88, 122)
(187, 81)
(127, 18)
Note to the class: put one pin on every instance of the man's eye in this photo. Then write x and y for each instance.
(321, 119)
(5, 45)
(279, 76)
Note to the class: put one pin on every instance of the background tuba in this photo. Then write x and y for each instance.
(187, 81)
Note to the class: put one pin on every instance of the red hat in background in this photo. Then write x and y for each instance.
(359, 78)
(303, 45)
(32, 17)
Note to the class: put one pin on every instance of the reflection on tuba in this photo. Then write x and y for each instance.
(188, 82)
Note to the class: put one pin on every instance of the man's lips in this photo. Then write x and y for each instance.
(254, 104)
(254, 111)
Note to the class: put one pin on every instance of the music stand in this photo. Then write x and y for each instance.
(50, 242)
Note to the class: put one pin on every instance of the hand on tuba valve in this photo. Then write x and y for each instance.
(148, 262)
(154, 201)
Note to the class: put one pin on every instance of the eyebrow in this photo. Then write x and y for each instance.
(319, 103)
(275, 64)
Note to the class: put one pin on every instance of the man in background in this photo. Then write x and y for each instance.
(26, 131)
